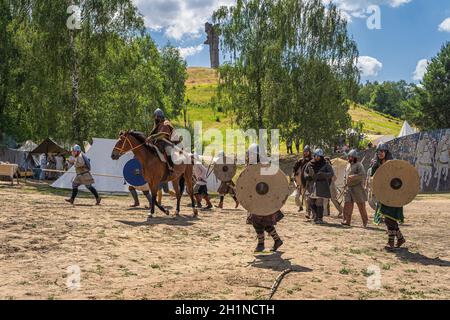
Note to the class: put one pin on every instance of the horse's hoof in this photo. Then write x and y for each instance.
(149, 217)
(195, 212)
(167, 212)
(177, 213)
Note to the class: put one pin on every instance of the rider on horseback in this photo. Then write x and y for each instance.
(160, 134)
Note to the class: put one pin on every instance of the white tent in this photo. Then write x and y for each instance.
(406, 130)
(101, 163)
(377, 139)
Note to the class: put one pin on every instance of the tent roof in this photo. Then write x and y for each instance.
(28, 146)
(49, 146)
(406, 130)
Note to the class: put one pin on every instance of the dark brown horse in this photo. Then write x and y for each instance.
(154, 170)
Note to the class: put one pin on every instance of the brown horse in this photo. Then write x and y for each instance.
(154, 170)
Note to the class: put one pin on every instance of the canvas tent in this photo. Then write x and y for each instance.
(21, 158)
(49, 146)
(101, 163)
(406, 130)
(377, 139)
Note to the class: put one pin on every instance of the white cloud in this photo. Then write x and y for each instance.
(190, 51)
(369, 67)
(178, 18)
(445, 25)
(358, 8)
(421, 69)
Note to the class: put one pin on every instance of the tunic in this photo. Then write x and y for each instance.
(355, 191)
(393, 213)
(83, 176)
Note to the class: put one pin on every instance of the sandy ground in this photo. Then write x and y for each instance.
(123, 257)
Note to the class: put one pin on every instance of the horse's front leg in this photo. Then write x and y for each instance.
(190, 190)
(152, 206)
(176, 188)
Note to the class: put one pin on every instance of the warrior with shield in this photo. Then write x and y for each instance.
(259, 195)
(225, 172)
(391, 215)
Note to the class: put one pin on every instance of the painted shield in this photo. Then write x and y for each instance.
(396, 183)
(260, 194)
(132, 172)
(226, 170)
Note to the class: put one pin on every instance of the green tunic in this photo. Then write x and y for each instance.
(385, 211)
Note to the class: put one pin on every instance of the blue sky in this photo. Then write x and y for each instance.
(412, 32)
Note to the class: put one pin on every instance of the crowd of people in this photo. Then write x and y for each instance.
(315, 182)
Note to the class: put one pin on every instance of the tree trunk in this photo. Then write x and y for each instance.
(76, 129)
(260, 106)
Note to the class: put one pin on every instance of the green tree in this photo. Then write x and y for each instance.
(291, 65)
(430, 105)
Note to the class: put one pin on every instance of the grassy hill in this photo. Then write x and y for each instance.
(201, 87)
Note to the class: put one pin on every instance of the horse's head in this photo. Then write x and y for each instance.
(123, 145)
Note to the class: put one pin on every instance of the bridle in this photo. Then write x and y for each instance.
(125, 139)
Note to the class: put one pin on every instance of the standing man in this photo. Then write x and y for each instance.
(263, 224)
(60, 163)
(43, 165)
(318, 174)
(354, 189)
(82, 168)
(162, 129)
(289, 146)
(300, 180)
(391, 215)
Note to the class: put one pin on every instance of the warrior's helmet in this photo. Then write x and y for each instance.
(159, 114)
(353, 153)
(382, 147)
(319, 153)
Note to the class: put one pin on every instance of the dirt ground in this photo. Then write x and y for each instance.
(123, 257)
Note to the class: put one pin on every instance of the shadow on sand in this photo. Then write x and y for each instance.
(276, 262)
(183, 221)
(405, 255)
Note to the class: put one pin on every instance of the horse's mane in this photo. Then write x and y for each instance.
(142, 138)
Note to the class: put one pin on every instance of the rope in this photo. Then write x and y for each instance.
(73, 172)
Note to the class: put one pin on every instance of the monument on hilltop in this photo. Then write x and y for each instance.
(213, 42)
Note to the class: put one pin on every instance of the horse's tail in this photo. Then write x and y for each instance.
(182, 184)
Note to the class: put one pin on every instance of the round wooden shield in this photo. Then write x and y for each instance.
(225, 170)
(396, 183)
(260, 194)
(132, 173)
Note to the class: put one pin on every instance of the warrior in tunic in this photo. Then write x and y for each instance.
(263, 223)
(160, 134)
(83, 175)
(318, 174)
(391, 215)
(354, 190)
